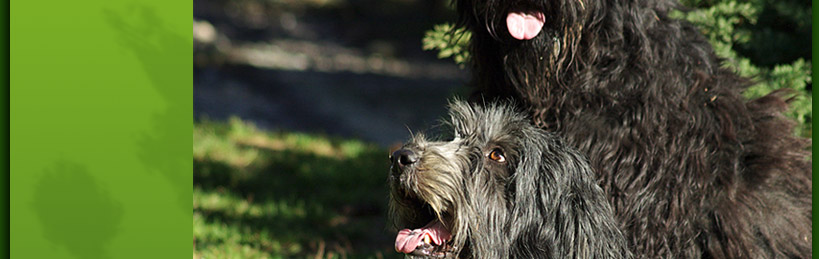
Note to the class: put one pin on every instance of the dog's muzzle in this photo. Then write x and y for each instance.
(431, 240)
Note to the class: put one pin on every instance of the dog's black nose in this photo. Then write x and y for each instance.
(403, 157)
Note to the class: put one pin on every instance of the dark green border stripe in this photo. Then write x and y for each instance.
(814, 69)
(5, 139)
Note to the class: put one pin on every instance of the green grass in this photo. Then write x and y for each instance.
(261, 194)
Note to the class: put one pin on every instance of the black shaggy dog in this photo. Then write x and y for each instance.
(501, 188)
(692, 169)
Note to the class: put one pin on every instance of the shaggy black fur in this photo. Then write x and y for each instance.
(505, 189)
(692, 168)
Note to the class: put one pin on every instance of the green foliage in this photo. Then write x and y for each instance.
(260, 194)
(449, 41)
(718, 23)
(741, 33)
(767, 40)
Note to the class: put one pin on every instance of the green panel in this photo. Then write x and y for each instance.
(100, 129)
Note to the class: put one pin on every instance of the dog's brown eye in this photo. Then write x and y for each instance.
(497, 155)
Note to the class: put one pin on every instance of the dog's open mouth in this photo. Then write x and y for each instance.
(432, 240)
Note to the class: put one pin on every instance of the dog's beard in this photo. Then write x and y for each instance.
(539, 66)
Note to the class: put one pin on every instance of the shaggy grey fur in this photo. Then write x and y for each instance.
(540, 202)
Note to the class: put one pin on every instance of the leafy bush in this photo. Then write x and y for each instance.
(741, 32)
(449, 42)
(767, 40)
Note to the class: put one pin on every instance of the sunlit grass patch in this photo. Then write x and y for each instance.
(263, 194)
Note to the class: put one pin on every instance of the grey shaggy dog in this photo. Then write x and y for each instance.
(501, 188)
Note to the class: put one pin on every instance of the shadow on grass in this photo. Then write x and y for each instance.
(296, 202)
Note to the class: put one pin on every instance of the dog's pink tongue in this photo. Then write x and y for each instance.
(407, 240)
(524, 26)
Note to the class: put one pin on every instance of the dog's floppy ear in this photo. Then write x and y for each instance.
(558, 208)
(531, 192)
(586, 227)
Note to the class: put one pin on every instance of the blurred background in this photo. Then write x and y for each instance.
(297, 102)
